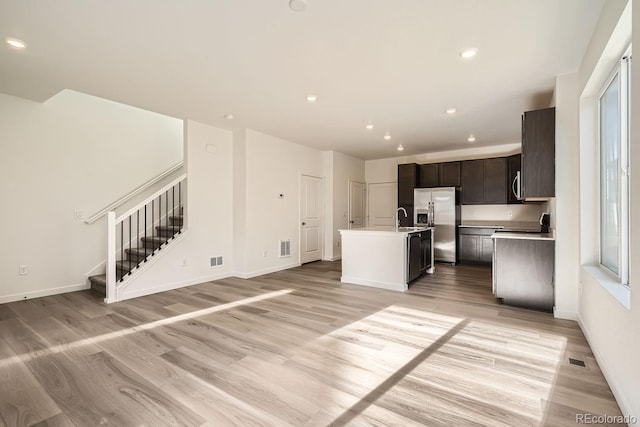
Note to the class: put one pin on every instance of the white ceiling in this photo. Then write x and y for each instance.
(392, 62)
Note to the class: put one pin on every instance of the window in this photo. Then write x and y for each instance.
(614, 122)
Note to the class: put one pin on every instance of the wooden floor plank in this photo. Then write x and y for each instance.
(310, 351)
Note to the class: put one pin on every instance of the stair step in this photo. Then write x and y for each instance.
(177, 220)
(168, 230)
(123, 267)
(99, 284)
(138, 254)
(153, 242)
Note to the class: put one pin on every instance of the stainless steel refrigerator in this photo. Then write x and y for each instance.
(439, 207)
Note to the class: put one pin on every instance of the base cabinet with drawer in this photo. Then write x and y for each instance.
(475, 245)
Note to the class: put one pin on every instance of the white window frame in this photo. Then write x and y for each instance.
(623, 71)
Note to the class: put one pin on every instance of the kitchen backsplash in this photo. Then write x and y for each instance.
(523, 212)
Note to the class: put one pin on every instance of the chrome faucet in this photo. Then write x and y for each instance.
(397, 216)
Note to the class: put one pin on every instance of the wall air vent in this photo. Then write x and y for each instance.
(216, 260)
(285, 248)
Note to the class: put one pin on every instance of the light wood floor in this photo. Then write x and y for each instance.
(296, 348)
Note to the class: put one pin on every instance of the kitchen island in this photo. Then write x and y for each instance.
(386, 257)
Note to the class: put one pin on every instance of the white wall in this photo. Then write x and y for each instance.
(612, 329)
(73, 152)
(526, 212)
(273, 167)
(209, 209)
(567, 202)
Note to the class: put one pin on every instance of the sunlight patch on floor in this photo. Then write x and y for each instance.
(144, 327)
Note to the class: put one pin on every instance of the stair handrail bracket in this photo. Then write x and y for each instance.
(142, 231)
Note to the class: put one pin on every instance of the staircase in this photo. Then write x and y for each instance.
(148, 246)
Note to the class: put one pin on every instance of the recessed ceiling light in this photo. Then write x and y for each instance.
(369, 126)
(298, 5)
(451, 110)
(387, 136)
(229, 116)
(15, 43)
(471, 138)
(312, 98)
(468, 53)
(400, 147)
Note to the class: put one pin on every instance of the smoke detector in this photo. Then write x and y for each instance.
(298, 5)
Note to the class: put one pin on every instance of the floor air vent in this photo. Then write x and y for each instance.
(577, 362)
(216, 260)
(285, 248)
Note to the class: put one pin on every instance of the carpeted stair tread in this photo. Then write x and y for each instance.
(99, 283)
(126, 266)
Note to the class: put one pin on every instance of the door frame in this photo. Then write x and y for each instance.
(321, 215)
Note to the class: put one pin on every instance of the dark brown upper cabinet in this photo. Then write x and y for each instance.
(429, 175)
(472, 182)
(513, 167)
(408, 176)
(484, 181)
(440, 175)
(495, 181)
(538, 174)
(449, 174)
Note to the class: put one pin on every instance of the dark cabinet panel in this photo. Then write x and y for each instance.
(495, 181)
(449, 174)
(538, 153)
(486, 249)
(415, 255)
(513, 166)
(472, 182)
(468, 247)
(475, 245)
(407, 179)
(429, 175)
(523, 273)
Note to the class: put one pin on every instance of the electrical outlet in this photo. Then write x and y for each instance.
(23, 270)
(509, 214)
(78, 214)
(184, 262)
(264, 253)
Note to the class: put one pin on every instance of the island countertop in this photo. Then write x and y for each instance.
(400, 231)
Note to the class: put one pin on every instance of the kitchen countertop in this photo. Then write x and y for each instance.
(505, 225)
(386, 230)
(523, 236)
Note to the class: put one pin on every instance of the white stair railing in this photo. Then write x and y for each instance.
(142, 231)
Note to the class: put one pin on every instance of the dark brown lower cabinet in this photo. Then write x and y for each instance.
(475, 245)
(523, 273)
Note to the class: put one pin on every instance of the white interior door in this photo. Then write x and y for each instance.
(356, 204)
(383, 200)
(310, 219)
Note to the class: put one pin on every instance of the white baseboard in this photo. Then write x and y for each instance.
(44, 293)
(606, 371)
(382, 285)
(252, 274)
(335, 258)
(168, 287)
(567, 315)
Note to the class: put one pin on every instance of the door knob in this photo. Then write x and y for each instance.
(304, 223)
(351, 222)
